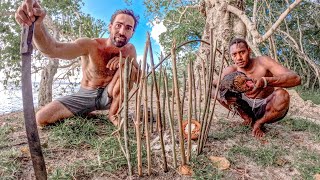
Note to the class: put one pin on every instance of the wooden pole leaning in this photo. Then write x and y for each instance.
(138, 110)
(170, 117)
(178, 103)
(215, 97)
(189, 111)
(146, 124)
(159, 122)
(126, 108)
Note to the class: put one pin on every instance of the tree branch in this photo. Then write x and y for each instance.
(249, 24)
(185, 10)
(279, 21)
(257, 38)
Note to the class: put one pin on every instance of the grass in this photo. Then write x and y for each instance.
(202, 168)
(311, 128)
(264, 156)
(4, 132)
(308, 163)
(101, 151)
(309, 95)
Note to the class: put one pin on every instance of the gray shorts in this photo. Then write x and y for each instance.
(86, 101)
(257, 106)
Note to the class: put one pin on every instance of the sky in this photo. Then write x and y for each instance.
(103, 9)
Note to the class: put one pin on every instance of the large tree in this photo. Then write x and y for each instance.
(287, 30)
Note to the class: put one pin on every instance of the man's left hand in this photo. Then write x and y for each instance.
(259, 84)
(113, 64)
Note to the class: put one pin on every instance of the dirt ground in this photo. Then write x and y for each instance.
(290, 149)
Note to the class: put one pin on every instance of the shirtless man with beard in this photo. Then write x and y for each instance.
(266, 99)
(100, 85)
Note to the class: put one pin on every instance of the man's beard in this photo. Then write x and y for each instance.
(119, 40)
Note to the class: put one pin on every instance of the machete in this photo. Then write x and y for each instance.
(28, 108)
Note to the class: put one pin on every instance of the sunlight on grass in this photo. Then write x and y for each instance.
(308, 163)
(202, 168)
(10, 165)
(105, 153)
(264, 156)
(309, 95)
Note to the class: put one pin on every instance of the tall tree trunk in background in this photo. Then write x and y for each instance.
(47, 75)
(224, 24)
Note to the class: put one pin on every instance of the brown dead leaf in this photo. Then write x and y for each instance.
(220, 162)
(317, 177)
(185, 170)
(25, 150)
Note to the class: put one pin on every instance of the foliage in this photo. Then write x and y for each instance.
(67, 18)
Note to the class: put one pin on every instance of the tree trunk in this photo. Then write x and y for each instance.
(225, 26)
(47, 75)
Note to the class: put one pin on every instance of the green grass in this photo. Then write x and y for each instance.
(230, 132)
(312, 128)
(308, 163)
(309, 95)
(264, 156)
(10, 166)
(4, 132)
(203, 169)
(94, 135)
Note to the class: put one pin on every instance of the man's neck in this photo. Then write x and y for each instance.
(250, 66)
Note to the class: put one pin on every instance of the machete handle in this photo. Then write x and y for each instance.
(26, 38)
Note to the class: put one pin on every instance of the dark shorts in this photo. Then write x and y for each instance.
(86, 101)
(255, 108)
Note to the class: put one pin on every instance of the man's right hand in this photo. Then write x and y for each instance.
(28, 11)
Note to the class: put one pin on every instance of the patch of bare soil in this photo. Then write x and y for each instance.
(303, 109)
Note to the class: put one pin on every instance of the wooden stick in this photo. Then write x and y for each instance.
(208, 92)
(189, 111)
(138, 111)
(200, 94)
(163, 115)
(126, 110)
(194, 91)
(215, 98)
(183, 91)
(159, 123)
(146, 124)
(174, 155)
(151, 104)
(176, 85)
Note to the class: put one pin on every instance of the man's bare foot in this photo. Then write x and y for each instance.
(247, 122)
(257, 131)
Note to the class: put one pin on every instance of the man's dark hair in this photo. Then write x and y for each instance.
(237, 41)
(128, 12)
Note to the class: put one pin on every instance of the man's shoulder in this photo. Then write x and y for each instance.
(263, 59)
(130, 46)
(84, 41)
(230, 68)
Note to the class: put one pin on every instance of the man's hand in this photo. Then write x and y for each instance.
(259, 84)
(113, 63)
(28, 11)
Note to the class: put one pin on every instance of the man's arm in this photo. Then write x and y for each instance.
(52, 48)
(27, 13)
(282, 77)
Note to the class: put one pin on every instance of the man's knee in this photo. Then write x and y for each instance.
(282, 93)
(41, 118)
